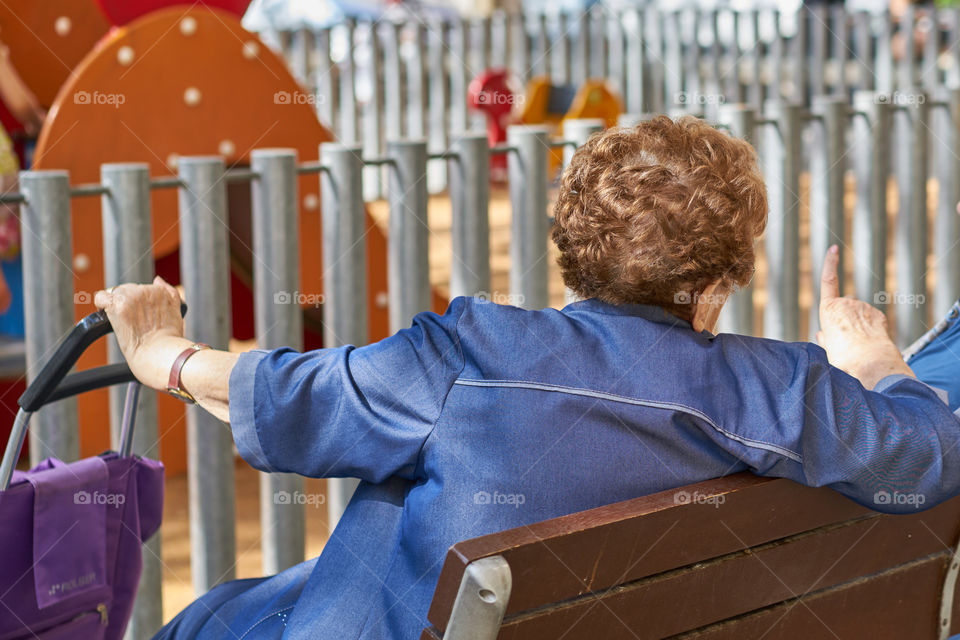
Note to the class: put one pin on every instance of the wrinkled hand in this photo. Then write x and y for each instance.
(143, 316)
(853, 333)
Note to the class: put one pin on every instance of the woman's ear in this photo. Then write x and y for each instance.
(708, 306)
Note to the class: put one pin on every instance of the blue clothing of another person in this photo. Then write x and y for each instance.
(490, 417)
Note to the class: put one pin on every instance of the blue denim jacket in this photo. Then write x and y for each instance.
(490, 417)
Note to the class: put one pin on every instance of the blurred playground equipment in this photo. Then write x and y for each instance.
(552, 105)
(494, 94)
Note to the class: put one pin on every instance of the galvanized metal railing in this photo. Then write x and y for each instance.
(832, 141)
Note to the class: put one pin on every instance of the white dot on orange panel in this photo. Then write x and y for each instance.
(227, 148)
(81, 262)
(310, 202)
(251, 49)
(192, 96)
(125, 55)
(173, 160)
(62, 25)
(188, 26)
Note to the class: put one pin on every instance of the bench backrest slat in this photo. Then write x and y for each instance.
(665, 564)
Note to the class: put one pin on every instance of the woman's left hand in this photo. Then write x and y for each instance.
(144, 317)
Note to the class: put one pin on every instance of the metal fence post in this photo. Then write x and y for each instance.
(582, 45)
(616, 54)
(416, 86)
(348, 89)
(674, 66)
(373, 118)
(907, 71)
(755, 53)
(800, 61)
(327, 90)
(827, 170)
(438, 101)
(952, 76)
(841, 47)
(636, 67)
(48, 301)
(578, 131)
(653, 41)
(883, 68)
(344, 272)
(393, 80)
(540, 60)
(278, 322)
(865, 57)
(946, 237)
(737, 314)
(819, 49)
(912, 129)
(407, 248)
(527, 167)
(205, 274)
(459, 80)
(128, 257)
(782, 159)
(870, 147)
(560, 51)
(470, 224)
(777, 71)
(519, 46)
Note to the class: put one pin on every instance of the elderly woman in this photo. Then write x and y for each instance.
(490, 416)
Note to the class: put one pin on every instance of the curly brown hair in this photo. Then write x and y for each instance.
(655, 213)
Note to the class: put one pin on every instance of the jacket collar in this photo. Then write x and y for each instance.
(645, 311)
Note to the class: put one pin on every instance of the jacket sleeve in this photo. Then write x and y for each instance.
(347, 411)
(895, 448)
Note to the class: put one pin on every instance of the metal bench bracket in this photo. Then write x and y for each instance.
(481, 600)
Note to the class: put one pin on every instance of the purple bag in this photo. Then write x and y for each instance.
(70, 533)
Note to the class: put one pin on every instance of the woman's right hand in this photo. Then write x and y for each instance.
(854, 333)
(147, 323)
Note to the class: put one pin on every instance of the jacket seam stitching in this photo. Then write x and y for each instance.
(542, 386)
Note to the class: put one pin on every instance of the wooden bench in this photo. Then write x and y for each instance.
(735, 557)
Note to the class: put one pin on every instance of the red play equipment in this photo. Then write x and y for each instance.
(493, 93)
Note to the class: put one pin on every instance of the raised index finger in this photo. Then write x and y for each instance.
(829, 281)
